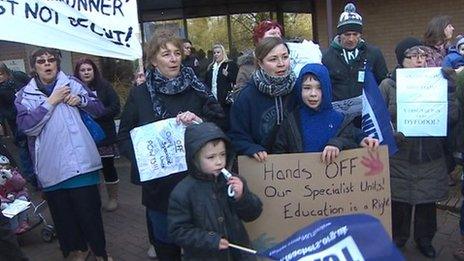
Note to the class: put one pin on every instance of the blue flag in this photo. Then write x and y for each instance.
(376, 121)
(355, 237)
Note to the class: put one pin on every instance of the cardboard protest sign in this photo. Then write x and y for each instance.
(104, 28)
(422, 103)
(297, 190)
(159, 149)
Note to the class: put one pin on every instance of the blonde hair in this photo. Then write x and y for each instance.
(224, 53)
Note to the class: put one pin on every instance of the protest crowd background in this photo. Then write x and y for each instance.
(247, 89)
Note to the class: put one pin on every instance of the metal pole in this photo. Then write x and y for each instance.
(229, 32)
(186, 35)
(329, 20)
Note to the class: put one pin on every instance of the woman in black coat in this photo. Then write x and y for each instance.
(87, 71)
(170, 90)
(221, 77)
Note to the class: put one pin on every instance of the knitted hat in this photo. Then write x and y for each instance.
(459, 41)
(403, 46)
(349, 20)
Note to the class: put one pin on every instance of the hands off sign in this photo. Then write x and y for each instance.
(99, 27)
(159, 149)
(297, 190)
(422, 102)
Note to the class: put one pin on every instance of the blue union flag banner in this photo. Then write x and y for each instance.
(355, 237)
(376, 121)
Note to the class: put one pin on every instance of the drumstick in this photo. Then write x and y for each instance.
(243, 248)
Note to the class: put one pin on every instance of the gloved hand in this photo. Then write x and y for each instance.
(450, 75)
(399, 137)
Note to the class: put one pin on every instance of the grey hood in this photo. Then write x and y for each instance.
(196, 136)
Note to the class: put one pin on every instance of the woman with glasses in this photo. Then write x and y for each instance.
(65, 157)
(418, 170)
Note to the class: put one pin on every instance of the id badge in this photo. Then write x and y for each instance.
(361, 76)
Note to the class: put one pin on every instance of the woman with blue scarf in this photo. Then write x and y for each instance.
(314, 125)
(170, 90)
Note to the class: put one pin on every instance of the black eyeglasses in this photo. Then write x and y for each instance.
(416, 56)
(49, 60)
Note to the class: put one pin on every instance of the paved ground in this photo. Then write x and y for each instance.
(127, 237)
(125, 228)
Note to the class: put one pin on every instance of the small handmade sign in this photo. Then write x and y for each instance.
(159, 149)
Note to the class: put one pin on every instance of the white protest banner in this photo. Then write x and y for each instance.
(302, 54)
(422, 103)
(159, 149)
(99, 27)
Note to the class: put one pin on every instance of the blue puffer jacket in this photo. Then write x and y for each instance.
(60, 144)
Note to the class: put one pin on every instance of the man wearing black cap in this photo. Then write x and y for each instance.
(347, 55)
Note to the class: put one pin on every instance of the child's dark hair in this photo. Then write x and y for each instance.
(309, 75)
(215, 142)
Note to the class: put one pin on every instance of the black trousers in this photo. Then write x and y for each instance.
(425, 222)
(109, 171)
(77, 217)
(9, 248)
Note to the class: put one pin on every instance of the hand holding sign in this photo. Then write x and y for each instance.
(188, 118)
(159, 149)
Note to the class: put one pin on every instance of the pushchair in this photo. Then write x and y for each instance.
(36, 218)
(33, 218)
(34, 214)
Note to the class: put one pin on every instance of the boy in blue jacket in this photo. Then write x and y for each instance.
(315, 126)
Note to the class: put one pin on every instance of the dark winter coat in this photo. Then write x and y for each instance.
(8, 88)
(344, 76)
(110, 99)
(418, 171)
(192, 62)
(224, 83)
(253, 120)
(138, 111)
(200, 211)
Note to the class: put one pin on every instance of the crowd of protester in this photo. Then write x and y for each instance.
(256, 106)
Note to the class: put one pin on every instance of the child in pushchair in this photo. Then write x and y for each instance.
(13, 187)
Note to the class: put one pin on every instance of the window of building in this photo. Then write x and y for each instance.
(298, 25)
(204, 32)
